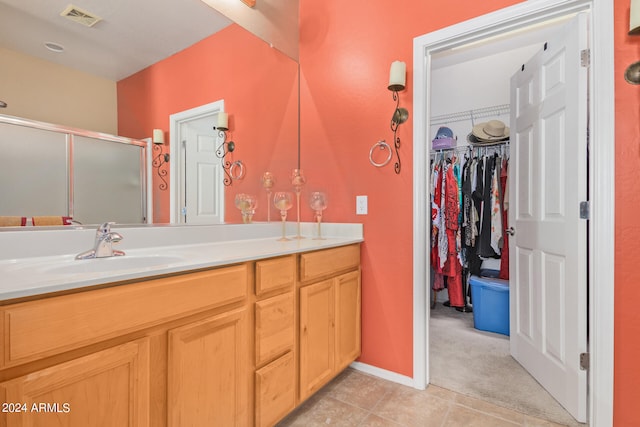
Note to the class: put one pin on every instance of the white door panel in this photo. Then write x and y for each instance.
(549, 250)
(204, 191)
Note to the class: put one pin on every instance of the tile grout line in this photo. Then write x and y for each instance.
(446, 415)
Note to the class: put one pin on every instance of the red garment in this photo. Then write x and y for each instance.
(504, 254)
(452, 267)
(437, 193)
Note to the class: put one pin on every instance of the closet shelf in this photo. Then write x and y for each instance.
(471, 115)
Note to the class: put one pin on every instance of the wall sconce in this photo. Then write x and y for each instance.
(632, 73)
(233, 170)
(397, 79)
(161, 158)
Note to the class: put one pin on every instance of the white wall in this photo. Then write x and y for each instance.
(473, 84)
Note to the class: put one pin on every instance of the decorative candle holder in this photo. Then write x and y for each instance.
(318, 202)
(251, 208)
(298, 180)
(247, 204)
(283, 200)
(268, 181)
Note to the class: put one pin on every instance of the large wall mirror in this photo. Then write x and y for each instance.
(86, 87)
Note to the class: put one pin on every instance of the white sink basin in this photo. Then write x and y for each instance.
(112, 264)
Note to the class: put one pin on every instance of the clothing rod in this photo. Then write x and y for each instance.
(478, 113)
(473, 148)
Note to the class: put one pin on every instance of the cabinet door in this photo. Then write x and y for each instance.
(347, 319)
(208, 372)
(317, 336)
(107, 388)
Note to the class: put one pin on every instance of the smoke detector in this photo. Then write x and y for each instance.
(80, 16)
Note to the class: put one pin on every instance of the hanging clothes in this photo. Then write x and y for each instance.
(468, 213)
(504, 255)
(496, 208)
(452, 268)
(485, 248)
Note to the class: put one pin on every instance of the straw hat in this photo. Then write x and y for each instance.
(491, 131)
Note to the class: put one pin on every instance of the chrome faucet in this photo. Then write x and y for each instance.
(102, 247)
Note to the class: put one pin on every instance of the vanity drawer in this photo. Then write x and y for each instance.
(274, 327)
(41, 328)
(275, 273)
(275, 390)
(315, 265)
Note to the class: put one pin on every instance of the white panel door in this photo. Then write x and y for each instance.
(548, 180)
(204, 190)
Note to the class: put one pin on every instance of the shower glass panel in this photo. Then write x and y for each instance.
(108, 181)
(34, 172)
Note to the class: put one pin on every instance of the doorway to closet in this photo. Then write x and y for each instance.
(450, 103)
(462, 358)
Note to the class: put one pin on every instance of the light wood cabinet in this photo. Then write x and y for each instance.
(347, 312)
(317, 336)
(167, 351)
(275, 340)
(329, 316)
(49, 326)
(208, 373)
(238, 345)
(106, 388)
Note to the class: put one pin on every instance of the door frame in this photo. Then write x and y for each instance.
(176, 166)
(601, 181)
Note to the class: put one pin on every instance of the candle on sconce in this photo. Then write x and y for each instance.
(223, 120)
(397, 75)
(158, 136)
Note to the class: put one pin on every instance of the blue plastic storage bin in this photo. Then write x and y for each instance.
(490, 299)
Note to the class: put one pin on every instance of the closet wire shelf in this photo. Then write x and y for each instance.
(479, 113)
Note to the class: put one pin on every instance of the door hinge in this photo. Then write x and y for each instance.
(585, 210)
(584, 361)
(183, 211)
(585, 57)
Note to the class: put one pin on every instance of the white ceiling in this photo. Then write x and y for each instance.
(532, 35)
(132, 35)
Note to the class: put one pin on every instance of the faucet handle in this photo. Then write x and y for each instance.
(104, 228)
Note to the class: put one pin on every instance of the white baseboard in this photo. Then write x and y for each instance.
(383, 373)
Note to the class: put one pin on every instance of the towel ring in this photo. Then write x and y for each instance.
(383, 146)
(237, 164)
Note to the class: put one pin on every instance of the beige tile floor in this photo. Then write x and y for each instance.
(357, 399)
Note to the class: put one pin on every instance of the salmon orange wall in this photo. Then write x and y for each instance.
(627, 276)
(346, 50)
(345, 53)
(260, 88)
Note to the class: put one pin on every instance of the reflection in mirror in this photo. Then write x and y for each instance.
(257, 83)
(69, 176)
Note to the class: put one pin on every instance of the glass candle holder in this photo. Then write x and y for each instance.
(268, 181)
(318, 202)
(242, 204)
(247, 204)
(283, 200)
(298, 180)
(250, 207)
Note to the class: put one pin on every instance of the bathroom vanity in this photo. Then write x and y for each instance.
(239, 342)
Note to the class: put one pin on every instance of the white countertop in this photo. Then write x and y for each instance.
(151, 251)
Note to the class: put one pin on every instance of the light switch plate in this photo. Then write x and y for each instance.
(361, 205)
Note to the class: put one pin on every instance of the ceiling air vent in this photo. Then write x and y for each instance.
(80, 16)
